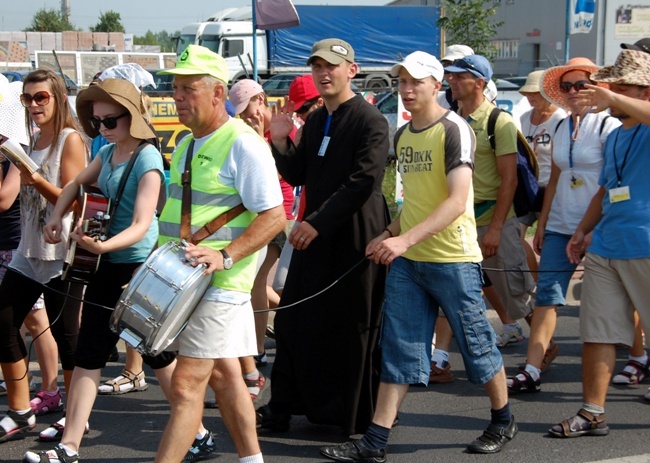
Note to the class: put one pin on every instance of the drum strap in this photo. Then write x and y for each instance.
(186, 207)
(186, 204)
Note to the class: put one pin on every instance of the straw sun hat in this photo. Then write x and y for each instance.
(550, 86)
(119, 92)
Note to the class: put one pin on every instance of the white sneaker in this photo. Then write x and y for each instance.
(510, 337)
(647, 396)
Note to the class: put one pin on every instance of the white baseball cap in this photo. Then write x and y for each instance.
(454, 52)
(420, 65)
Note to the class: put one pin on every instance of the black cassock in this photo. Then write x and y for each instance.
(327, 363)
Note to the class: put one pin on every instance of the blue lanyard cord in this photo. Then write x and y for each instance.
(328, 122)
(619, 174)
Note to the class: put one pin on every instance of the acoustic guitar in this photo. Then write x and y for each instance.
(92, 207)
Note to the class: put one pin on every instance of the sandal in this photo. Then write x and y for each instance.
(441, 375)
(3, 386)
(633, 373)
(54, 433)
(44, 402)
(551, 352)
(60, 456)
(528, 384)
(255, 386)
(123, 384)
(583, 424)
(23, 424)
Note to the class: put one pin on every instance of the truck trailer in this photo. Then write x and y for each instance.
(380, 35)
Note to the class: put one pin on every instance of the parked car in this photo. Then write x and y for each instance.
(278, 85)
(13, 76)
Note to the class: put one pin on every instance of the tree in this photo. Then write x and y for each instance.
(49, 20)
(468, 22)
(166, 41)
(111, 21)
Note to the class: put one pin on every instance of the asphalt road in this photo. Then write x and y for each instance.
(436, 423)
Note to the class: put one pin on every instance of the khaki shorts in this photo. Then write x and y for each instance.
(516, 285)
(218, 330)
(611, 290)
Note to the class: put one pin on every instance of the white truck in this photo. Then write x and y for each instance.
(380, 35)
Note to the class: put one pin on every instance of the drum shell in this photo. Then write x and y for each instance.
(159, 300)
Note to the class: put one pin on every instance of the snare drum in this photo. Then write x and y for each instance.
(161, 296)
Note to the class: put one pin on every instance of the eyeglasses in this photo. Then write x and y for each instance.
(461, 63)
(110, 122)
(305, 107)
(565, 87)
(41, 98)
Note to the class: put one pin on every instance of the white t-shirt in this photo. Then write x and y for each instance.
(539, 137)
(576, 186)
(250, 169)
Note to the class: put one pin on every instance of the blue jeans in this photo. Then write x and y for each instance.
(552, 285)
(414, 292)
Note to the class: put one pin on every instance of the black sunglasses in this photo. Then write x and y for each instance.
(461, 63)
(305, 107)
(565, 87)
(110, 122)
(41, 98)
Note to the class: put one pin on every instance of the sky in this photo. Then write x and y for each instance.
(138, 16)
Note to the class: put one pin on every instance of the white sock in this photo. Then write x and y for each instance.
(533, 371)
(642, 360)
(201, 434)
(9, 424)
(440, 357)
(252, 459)
(254, 375)
(511, 327)
(593, 409)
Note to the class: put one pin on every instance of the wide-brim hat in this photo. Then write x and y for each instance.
(632, 67)
(115, 91)
(12, 112)
(550, 86)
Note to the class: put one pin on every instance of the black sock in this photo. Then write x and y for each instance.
(502, 416)
(376, 437)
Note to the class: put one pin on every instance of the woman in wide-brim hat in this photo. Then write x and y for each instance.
(577, 157)
(114, 109)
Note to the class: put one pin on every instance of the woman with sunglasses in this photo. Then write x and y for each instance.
(577, 157)
(60, 154)
(113, 108)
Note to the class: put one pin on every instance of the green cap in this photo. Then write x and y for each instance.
(334, 51)
(197, 60)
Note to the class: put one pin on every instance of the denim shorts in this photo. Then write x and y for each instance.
(414, 293)
(555, 270)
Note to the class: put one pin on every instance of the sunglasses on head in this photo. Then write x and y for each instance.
(41, 98)
(305, 107)
(565, 87)
(461, 63)
(110, 122)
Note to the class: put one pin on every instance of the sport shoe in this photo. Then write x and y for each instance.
(201, 448)
(647, 396)
(494, 438)
(57, 455)
(353, 451)
(125, 383)
(441, 375)
(3, 386)
(22, 424)
(45, 403)
(633, 373)
(510, 337)
(261, 360)
(255, 386)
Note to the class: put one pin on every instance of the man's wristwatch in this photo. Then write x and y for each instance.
(227, 260)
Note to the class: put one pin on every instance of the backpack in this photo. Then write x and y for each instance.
(527, 192)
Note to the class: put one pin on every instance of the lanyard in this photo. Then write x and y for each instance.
(328, 122)
(619, 174)
(572, 139)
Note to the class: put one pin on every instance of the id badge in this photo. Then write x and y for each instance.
(576, 183)
(616, 195)
(323, 146)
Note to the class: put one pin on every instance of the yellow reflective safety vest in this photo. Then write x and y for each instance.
(210, 199)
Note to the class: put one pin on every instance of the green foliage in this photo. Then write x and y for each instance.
(111, 21)
(49, 20)
(468, 22)
(166, 41)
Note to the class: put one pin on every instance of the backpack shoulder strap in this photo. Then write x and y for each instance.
(559, 123)
(602, 124)
(491, 125)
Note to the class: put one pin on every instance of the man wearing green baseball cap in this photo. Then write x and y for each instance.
(222, 164)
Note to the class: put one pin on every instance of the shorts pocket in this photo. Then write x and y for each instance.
(479, 335)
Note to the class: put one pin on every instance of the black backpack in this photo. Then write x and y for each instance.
(526, 195)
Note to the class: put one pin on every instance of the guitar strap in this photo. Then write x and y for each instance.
(186, 207)
(120, 189)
